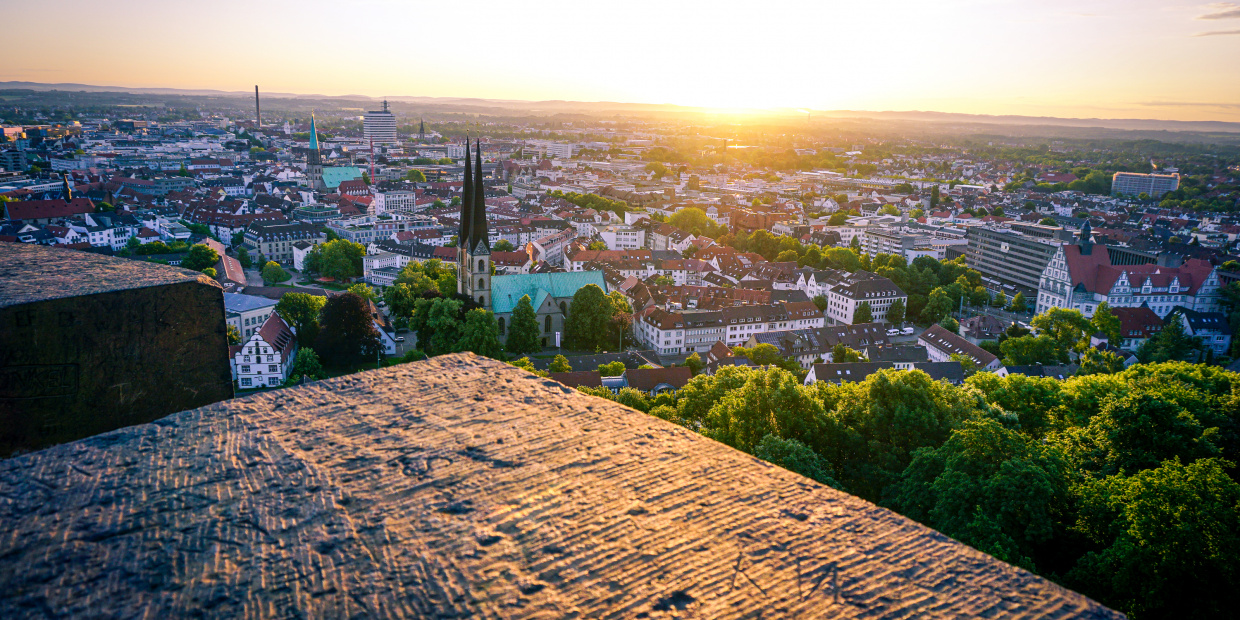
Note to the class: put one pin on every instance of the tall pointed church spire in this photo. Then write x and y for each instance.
(66, 190)
(478, 227)
(314, 141)
(467, 203)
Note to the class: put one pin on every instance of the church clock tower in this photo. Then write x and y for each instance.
(473, 243)
(314, 160)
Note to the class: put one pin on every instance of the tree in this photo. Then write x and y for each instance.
(274, 273)
(438, 324)
(341, 259)
(200, 257)
(481, 333)
(1171, 344)
(209, 272)
(306, 364)
(842, 354)
(525, 364)
(589, 316)
(895, 312)
(364, 291)
(989, 487)
(1018, 304)
(347, 334)
(1069, 328)
(951, 325)
(1028, 350)
(597, 245)
(301, 311)
(243, 256)
(503, 245)
(523, 333)
(1105, 322)
(695, 364)
(417, 176)
(1000, 300)
(1169, 539)
(234, 335)
(938, 306)
(1046, 221)
(863, 314)
(612, 369)
(796, 457)
(560, 364)
(820, 302)
(1095, 362)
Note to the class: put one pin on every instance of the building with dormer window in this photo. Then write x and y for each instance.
(266, 358)
(1083, 275)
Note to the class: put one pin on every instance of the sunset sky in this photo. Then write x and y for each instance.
(1081, 58)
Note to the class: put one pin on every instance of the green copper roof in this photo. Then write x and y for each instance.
(314, 134)
(333, 176)
(507, 290)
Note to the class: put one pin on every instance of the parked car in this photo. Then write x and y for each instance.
(893, 332)
(400, 339)
(907, 331)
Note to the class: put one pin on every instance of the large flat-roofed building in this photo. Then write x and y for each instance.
(463, 487)
(1134, 184)
(1017, 256)
(379, 126)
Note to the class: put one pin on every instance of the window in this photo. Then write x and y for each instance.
(273, 369)
(547, 325)
(245, 369)
(482, 267)
(246, 382)
(245, 358)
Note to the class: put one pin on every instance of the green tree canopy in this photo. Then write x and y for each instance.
(589, 317)
(273, 273)
(560, 364)
(200, 257)
(341, 259)
(895, 312)
(301, 311)
(347, 334)
(480, 334)
(523, 333)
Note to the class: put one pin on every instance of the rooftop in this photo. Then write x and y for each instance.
(464, 487)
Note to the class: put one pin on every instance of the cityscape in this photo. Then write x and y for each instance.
(468, 349)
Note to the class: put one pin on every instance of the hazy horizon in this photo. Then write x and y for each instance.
(1085, 59)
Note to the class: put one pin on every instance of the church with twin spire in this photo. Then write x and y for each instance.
(473, 246)
(550, 294)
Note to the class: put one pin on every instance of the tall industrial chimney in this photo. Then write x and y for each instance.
(258, 110)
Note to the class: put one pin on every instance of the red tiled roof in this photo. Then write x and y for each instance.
(42, 209)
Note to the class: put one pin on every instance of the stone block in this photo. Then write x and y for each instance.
(92, 343)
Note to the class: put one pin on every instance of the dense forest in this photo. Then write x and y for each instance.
(1121, 486)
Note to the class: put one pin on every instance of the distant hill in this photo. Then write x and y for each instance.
(613, 107)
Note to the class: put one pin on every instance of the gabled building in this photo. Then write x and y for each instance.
(1081, 276)
(1212, 327)
(941, 344)
(266, 358)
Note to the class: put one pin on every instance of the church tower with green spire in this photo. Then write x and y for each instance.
(473, 242)
(314, 160)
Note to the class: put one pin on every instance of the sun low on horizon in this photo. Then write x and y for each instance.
(1091, 58)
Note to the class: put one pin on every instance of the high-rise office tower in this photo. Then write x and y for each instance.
(379, 126)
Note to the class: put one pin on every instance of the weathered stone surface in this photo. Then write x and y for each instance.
(460, 487)
(91, 343)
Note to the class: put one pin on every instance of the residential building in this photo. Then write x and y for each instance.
(1135, 184)
(1136, 326)
(1212, 327)
(266, 357)
(941, 344)
(247, 313)
(275, 240)
(862, 287)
